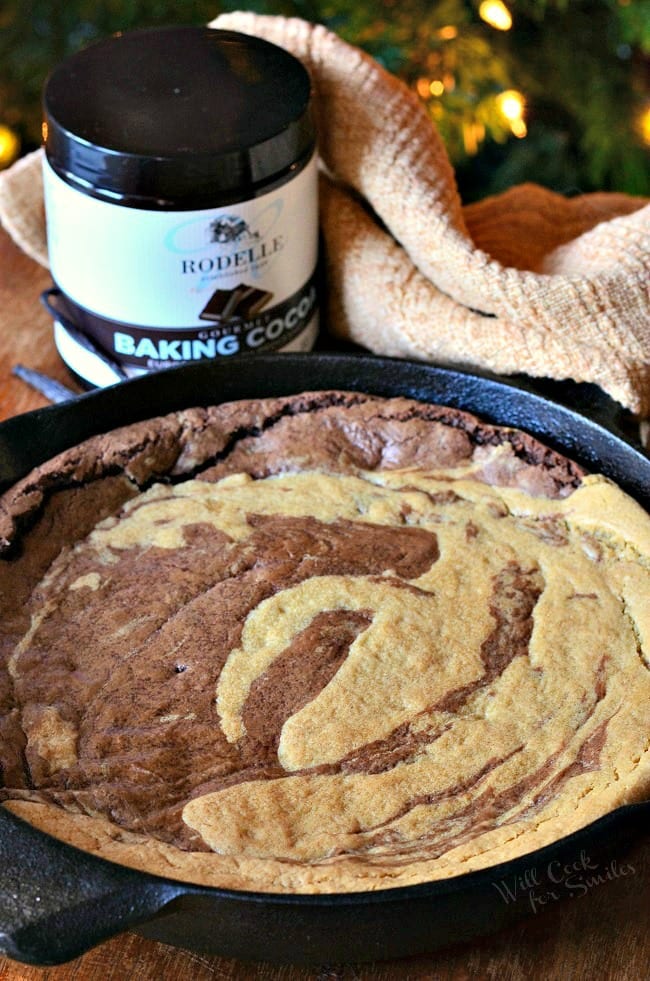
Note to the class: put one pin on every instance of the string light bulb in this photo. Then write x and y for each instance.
(9, 146)
(496, 14)
(512, 106)
(644, 126)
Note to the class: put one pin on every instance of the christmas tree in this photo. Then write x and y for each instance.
(551, 91)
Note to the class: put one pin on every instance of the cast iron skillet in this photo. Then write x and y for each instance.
(56, 901)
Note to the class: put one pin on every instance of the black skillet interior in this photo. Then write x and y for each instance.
(56, 902)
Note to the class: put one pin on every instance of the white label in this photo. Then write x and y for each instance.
(155, 288)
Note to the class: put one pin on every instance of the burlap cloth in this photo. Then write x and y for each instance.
(526, 281)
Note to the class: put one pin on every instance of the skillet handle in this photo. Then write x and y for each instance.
(56, 902)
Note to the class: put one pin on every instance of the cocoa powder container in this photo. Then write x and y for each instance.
(181, 200)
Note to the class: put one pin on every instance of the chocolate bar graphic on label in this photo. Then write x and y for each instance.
(242, 303)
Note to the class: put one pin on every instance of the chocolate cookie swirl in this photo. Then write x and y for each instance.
(323, 643)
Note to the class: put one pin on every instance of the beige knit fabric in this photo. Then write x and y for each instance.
(21, 205)
(526, 281)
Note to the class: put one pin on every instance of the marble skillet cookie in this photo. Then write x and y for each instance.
(321, 643)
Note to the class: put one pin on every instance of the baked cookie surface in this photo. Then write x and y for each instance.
(324, 643)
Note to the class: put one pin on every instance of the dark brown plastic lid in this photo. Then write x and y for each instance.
(178, 117)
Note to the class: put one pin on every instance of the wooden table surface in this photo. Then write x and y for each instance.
(599, 933)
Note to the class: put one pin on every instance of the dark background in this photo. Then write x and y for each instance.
(581, 68)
